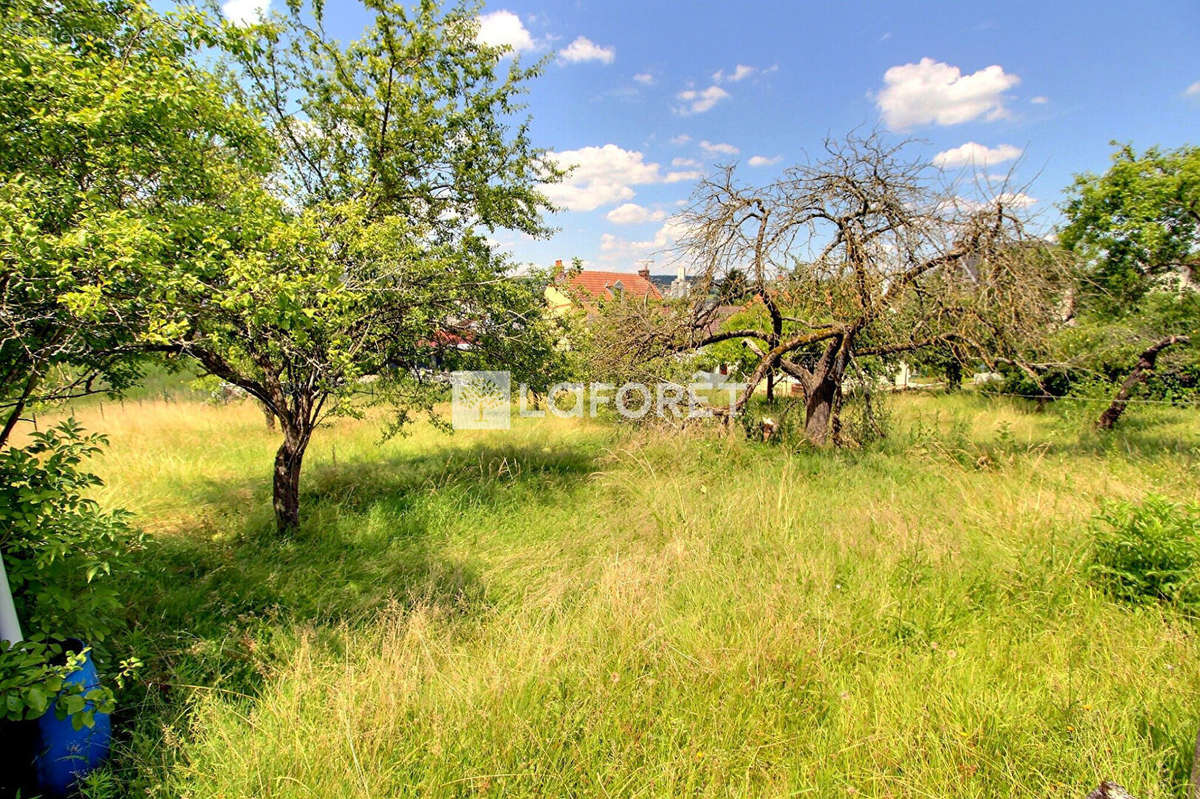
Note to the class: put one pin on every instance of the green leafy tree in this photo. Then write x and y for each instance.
(362, 265)
(1138, 225)
(1136, 229)
(114, 151)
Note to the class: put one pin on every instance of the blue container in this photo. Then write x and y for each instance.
(67, 754)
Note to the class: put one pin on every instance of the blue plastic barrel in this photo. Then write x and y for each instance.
(67, 754)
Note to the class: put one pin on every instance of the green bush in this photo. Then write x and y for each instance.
(59, 548)
(1148, 551)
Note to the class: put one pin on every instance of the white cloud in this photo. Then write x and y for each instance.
(665, 236)
(679, 177)
(603, 176)
(718, 148)
(1008, 198)
(688, 162)
(1017, 199)
(1193, 90)
(245, 12)
(697, 101)
(644, 78)
(584, 49)
(1042, 100)
(633, 214)
(501, 29)
(938, 93)
(762, 160)
(740, 72)
(972, 154)
(681, 139)
(617, 249)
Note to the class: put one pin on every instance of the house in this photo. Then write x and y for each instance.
(587, 287)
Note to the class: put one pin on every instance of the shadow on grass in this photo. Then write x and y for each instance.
(215, 603)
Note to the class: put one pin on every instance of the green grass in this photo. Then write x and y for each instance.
(571, 609)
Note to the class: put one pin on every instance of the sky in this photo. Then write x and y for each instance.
(647, 97)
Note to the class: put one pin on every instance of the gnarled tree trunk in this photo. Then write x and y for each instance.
(820, 410)
(286, 483)
(1145, 366)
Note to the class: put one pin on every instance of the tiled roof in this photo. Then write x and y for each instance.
(599, 285)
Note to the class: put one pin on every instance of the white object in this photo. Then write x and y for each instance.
(10, 626)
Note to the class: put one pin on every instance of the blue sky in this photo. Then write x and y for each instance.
(646, 96)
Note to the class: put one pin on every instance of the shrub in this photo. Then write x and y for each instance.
(1148, 551)
(59, 548)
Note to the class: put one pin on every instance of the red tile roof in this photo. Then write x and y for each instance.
(598, 285)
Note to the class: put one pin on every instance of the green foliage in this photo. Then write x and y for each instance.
(360, 265)
(115, 152)
(60, 552)
(1148, 551)
(1136, 223)
(33, 679)
(60, 548)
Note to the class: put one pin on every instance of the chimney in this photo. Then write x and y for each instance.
(558, 269)
(644, 272)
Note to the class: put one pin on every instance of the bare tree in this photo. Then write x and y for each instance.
(860, 253)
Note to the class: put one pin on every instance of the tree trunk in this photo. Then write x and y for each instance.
(286, 484)
(771, 387)
(820, 408)
(268, 416)
(1145, 366)
(954, 375)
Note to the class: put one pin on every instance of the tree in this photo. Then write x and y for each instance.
(363, 259)
(1136, 229)
(1137, 225)
(860, 254)
(110, 137)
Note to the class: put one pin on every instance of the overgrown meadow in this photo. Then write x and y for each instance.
(574, 608)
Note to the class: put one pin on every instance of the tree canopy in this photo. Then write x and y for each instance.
(363, 255)
(863, 252)
(115, 148)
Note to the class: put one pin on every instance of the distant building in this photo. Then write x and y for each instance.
(589, 286)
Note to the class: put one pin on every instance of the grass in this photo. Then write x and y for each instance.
(570, 609)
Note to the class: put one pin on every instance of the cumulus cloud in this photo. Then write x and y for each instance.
(718, 148)
(740, 72)
(686, 162)
(1193, 90)
(501, 29)
(605, 175)
(245, 12)
(762, 160)
(697, 101)
(1010, 199)
(932, 92)
(633, 214)
(644, 78)
(617, 249)
(1017, 199)
(972, 154)
(584, 49)
(1042, 100)
(681, 139)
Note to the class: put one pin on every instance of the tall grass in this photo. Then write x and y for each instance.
(567, 609)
